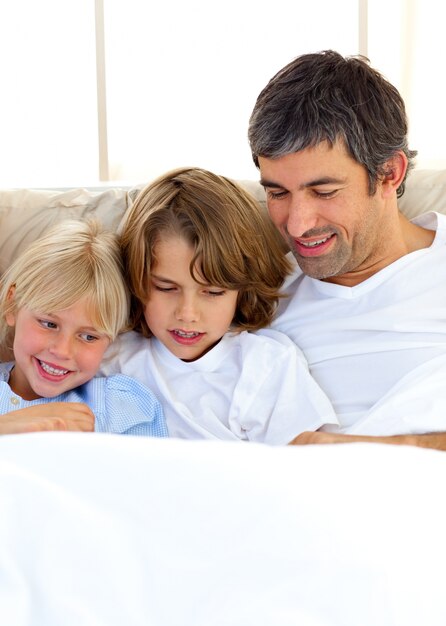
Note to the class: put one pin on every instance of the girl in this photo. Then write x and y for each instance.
(61, 304)
(204, 268)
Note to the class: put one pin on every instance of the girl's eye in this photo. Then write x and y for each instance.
(48, 324)
(88, 338)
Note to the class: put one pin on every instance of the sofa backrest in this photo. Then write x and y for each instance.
(425, 191)
(25, 214)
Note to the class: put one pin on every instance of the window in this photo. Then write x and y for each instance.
(182, 77)
(48, 116)
(177, 81)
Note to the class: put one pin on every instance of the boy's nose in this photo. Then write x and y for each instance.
(187, 310)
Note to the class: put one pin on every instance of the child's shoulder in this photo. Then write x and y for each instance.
(128, 345)
(272, 341)
(5, 369)
(131, 341)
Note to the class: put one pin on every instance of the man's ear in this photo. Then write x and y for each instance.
(394, 171)
(11, 314)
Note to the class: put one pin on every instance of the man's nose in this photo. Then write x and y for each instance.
(302, 217)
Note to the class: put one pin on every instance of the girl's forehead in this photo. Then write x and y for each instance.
(86, 306)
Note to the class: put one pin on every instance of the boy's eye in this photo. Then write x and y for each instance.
(215, 292)
(165, 289)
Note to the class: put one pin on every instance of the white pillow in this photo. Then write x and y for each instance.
(25, 214)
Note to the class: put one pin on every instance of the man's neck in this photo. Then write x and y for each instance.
(411, 238)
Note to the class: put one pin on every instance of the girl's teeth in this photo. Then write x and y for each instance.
(181, 333)
(52, 370)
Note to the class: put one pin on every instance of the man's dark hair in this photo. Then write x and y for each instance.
(327, 97)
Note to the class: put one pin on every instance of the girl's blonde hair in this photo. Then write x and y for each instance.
(236, 245)
(75, 259)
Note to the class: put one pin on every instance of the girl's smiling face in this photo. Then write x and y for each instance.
(189, 318)
(54, 352)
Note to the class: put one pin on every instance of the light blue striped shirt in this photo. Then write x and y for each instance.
(120, 404)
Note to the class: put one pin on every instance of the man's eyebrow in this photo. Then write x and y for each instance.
(325, 180)
(269, 183)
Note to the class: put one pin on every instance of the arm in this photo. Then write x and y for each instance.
(72, 416)
(436, 441)
(131, 408)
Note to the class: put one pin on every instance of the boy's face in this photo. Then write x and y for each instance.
(187, 317)
(54, 352)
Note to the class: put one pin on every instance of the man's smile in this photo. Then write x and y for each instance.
(313, 247)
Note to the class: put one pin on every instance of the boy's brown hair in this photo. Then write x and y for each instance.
(236, 245)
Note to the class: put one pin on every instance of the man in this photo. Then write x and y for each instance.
(367, 301)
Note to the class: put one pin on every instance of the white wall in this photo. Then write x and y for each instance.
(406, 42)
(181, 80)
(186, 81)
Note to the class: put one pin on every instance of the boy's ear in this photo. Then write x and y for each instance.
(394, 173)
(10, 315)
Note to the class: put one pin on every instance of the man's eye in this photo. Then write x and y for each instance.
(276, 195)
(325, 194)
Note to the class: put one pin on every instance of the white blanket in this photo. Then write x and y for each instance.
(105, 530)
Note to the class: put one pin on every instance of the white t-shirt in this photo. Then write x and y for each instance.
(247, 387)
(373, 347)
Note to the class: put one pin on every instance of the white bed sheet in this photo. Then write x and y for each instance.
(119, 531)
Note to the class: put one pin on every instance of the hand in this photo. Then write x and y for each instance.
(436, 441)
(310, 437)
(70, 416)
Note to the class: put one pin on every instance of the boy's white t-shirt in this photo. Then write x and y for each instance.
(373, 348)
(249, 387)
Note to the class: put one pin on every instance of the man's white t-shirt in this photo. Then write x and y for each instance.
(378, 349)
(248, 387)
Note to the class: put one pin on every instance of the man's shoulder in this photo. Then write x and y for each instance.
(432, 221)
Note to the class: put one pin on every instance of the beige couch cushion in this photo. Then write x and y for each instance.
(25, 214)
(425, 191)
